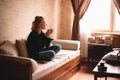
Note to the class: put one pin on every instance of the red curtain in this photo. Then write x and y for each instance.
(79, 8)
(117, 4)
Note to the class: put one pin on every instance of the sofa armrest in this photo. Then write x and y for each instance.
(15, 68)
(68, 44)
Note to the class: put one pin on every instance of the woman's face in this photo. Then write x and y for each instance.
(42, 25)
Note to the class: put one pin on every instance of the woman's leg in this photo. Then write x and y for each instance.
(46, 55)
(55, 48)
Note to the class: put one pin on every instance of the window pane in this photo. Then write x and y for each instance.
(97, 16)
(117, 20)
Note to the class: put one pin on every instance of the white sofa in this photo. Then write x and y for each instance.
(64, 65)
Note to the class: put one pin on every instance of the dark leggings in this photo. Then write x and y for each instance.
(48, 54)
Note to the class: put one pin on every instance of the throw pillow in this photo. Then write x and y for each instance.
(68, 44)
(8, 48)
(21, 46)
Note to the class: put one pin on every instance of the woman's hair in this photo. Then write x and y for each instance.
(36, 22)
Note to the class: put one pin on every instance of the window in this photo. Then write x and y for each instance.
(101, 16)
(117, 21)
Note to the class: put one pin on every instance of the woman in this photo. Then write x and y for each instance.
(38, 42)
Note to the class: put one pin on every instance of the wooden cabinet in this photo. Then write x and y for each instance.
(97, 51)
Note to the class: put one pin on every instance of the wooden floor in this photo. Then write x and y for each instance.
(85, 74)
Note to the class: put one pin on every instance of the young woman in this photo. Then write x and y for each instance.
(38, 42)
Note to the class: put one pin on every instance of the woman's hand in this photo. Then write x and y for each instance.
(49, 31)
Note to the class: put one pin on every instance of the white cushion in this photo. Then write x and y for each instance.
(8, 48)
(68, 44)
(21, 46)
(61, 58)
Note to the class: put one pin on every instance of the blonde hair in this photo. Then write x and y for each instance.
(36, 22)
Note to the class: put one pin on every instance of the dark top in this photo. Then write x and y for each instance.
(36, 43)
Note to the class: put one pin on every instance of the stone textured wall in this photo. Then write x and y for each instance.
(16, 17)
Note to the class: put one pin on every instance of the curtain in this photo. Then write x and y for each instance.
(79, 9)
(117, 4)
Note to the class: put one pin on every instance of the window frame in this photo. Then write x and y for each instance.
(112, 30)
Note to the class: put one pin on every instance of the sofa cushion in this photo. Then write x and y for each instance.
(21, 46)
(8, 48)
(61, 58)
(68, 44)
